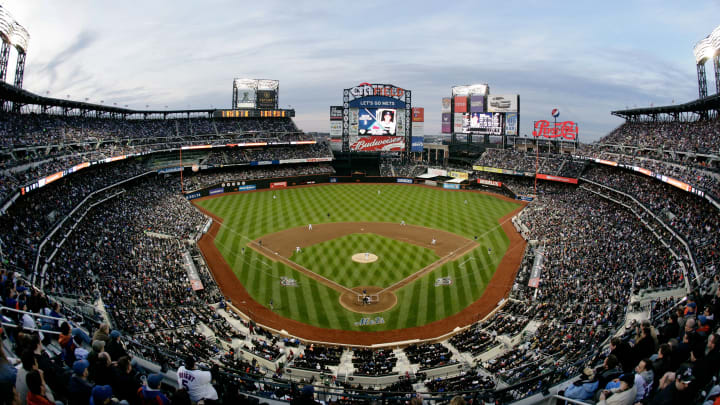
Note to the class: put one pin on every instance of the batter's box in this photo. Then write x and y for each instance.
(288, 282)
(443, 281)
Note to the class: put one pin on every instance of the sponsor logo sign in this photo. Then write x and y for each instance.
(451, 186)
(458, 175)
(403, 180)
(192, 196)
(333, 179)
(246, 188)
(370, 321)
(437, 172)
(418, 114)
(511, 120)
(488, 169)
(477, 104)
(557, 178)
(446, 123)
(489, 182)
(367, 89)
(446, 105)
(524, 198)
(336, 113)
(278, 184)
(431, 183)
(460, 104)
(217, 191)
(417, 144)
(567, 129)
(555, 112)
(502, 103)
(378, 143)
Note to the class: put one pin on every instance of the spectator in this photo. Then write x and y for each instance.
(150, 393)
(197, 382)
(623, 395)
(79, 388)
(36, 394)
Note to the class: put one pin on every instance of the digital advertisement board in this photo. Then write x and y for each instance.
(246, 89)
(336, 113)
(502, 103)
(511, 121)
(460, 104)
(266, 99)
(418, 134)
(335, 129)
(446, 123)
(377, 121)
(477, 104)
(485, 123)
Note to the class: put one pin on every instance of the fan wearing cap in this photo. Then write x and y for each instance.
(151, 393)
(115, 347)
(674, 387)
(79, 387)
(101, 395)
(305, 397)
(623, 395)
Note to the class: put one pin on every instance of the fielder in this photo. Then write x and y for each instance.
(309, 227)
(432, 242)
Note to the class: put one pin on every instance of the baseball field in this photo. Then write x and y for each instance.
(422, 254)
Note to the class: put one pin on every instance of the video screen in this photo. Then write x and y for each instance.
(487, 123)
(377, 121)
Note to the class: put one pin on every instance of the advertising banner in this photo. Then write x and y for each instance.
(557, 178)
(416, 143)
(266, 99)
(430, 183)
(335, 129)
(246, 188)
(378, 143)
(511, 124)
(459, 124)
(446, 105)
(404, 180)
(278, 184)
(353, 112)
(217, 191)
(477, 104)
(567, 130)
(488, 169)
(336, 113)
(377, 121)
(460, 104)
(451, 186)
(489, 182)
(437, 172)
(418, 114)
(446, 123)
(458, 175)
(502, 103)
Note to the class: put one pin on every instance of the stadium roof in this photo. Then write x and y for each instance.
(16, 95)
(698, 106)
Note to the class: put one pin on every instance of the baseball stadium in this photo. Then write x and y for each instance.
(227, 256)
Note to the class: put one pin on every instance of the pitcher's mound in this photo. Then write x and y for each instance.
(364, 257)
(385, 300)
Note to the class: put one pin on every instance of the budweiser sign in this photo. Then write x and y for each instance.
(379, 143)
(566, 129)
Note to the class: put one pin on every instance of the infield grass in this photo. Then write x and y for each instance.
(247, 216)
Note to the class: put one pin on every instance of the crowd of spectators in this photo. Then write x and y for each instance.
(691, 136)
(689, 215)
(429, 355)
(554, 164)
(242, 155)
(370, 362)
(395, 168)
(203, 180)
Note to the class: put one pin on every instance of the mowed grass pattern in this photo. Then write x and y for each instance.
(396, 260)
(247, 216)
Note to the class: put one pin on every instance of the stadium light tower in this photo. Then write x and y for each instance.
(708, 49)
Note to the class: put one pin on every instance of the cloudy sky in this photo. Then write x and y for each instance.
(585, 58)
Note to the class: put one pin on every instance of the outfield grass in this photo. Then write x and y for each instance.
(396, 260)
(248, 216)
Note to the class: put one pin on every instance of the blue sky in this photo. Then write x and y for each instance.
(585, 58)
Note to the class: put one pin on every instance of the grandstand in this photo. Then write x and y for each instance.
(620, 272)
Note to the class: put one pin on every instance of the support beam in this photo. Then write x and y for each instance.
(716, 64)
(4, 59)
(702, 80)
(20, 69)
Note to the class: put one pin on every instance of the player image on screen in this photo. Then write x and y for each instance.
(475, 120)
(376, 122)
